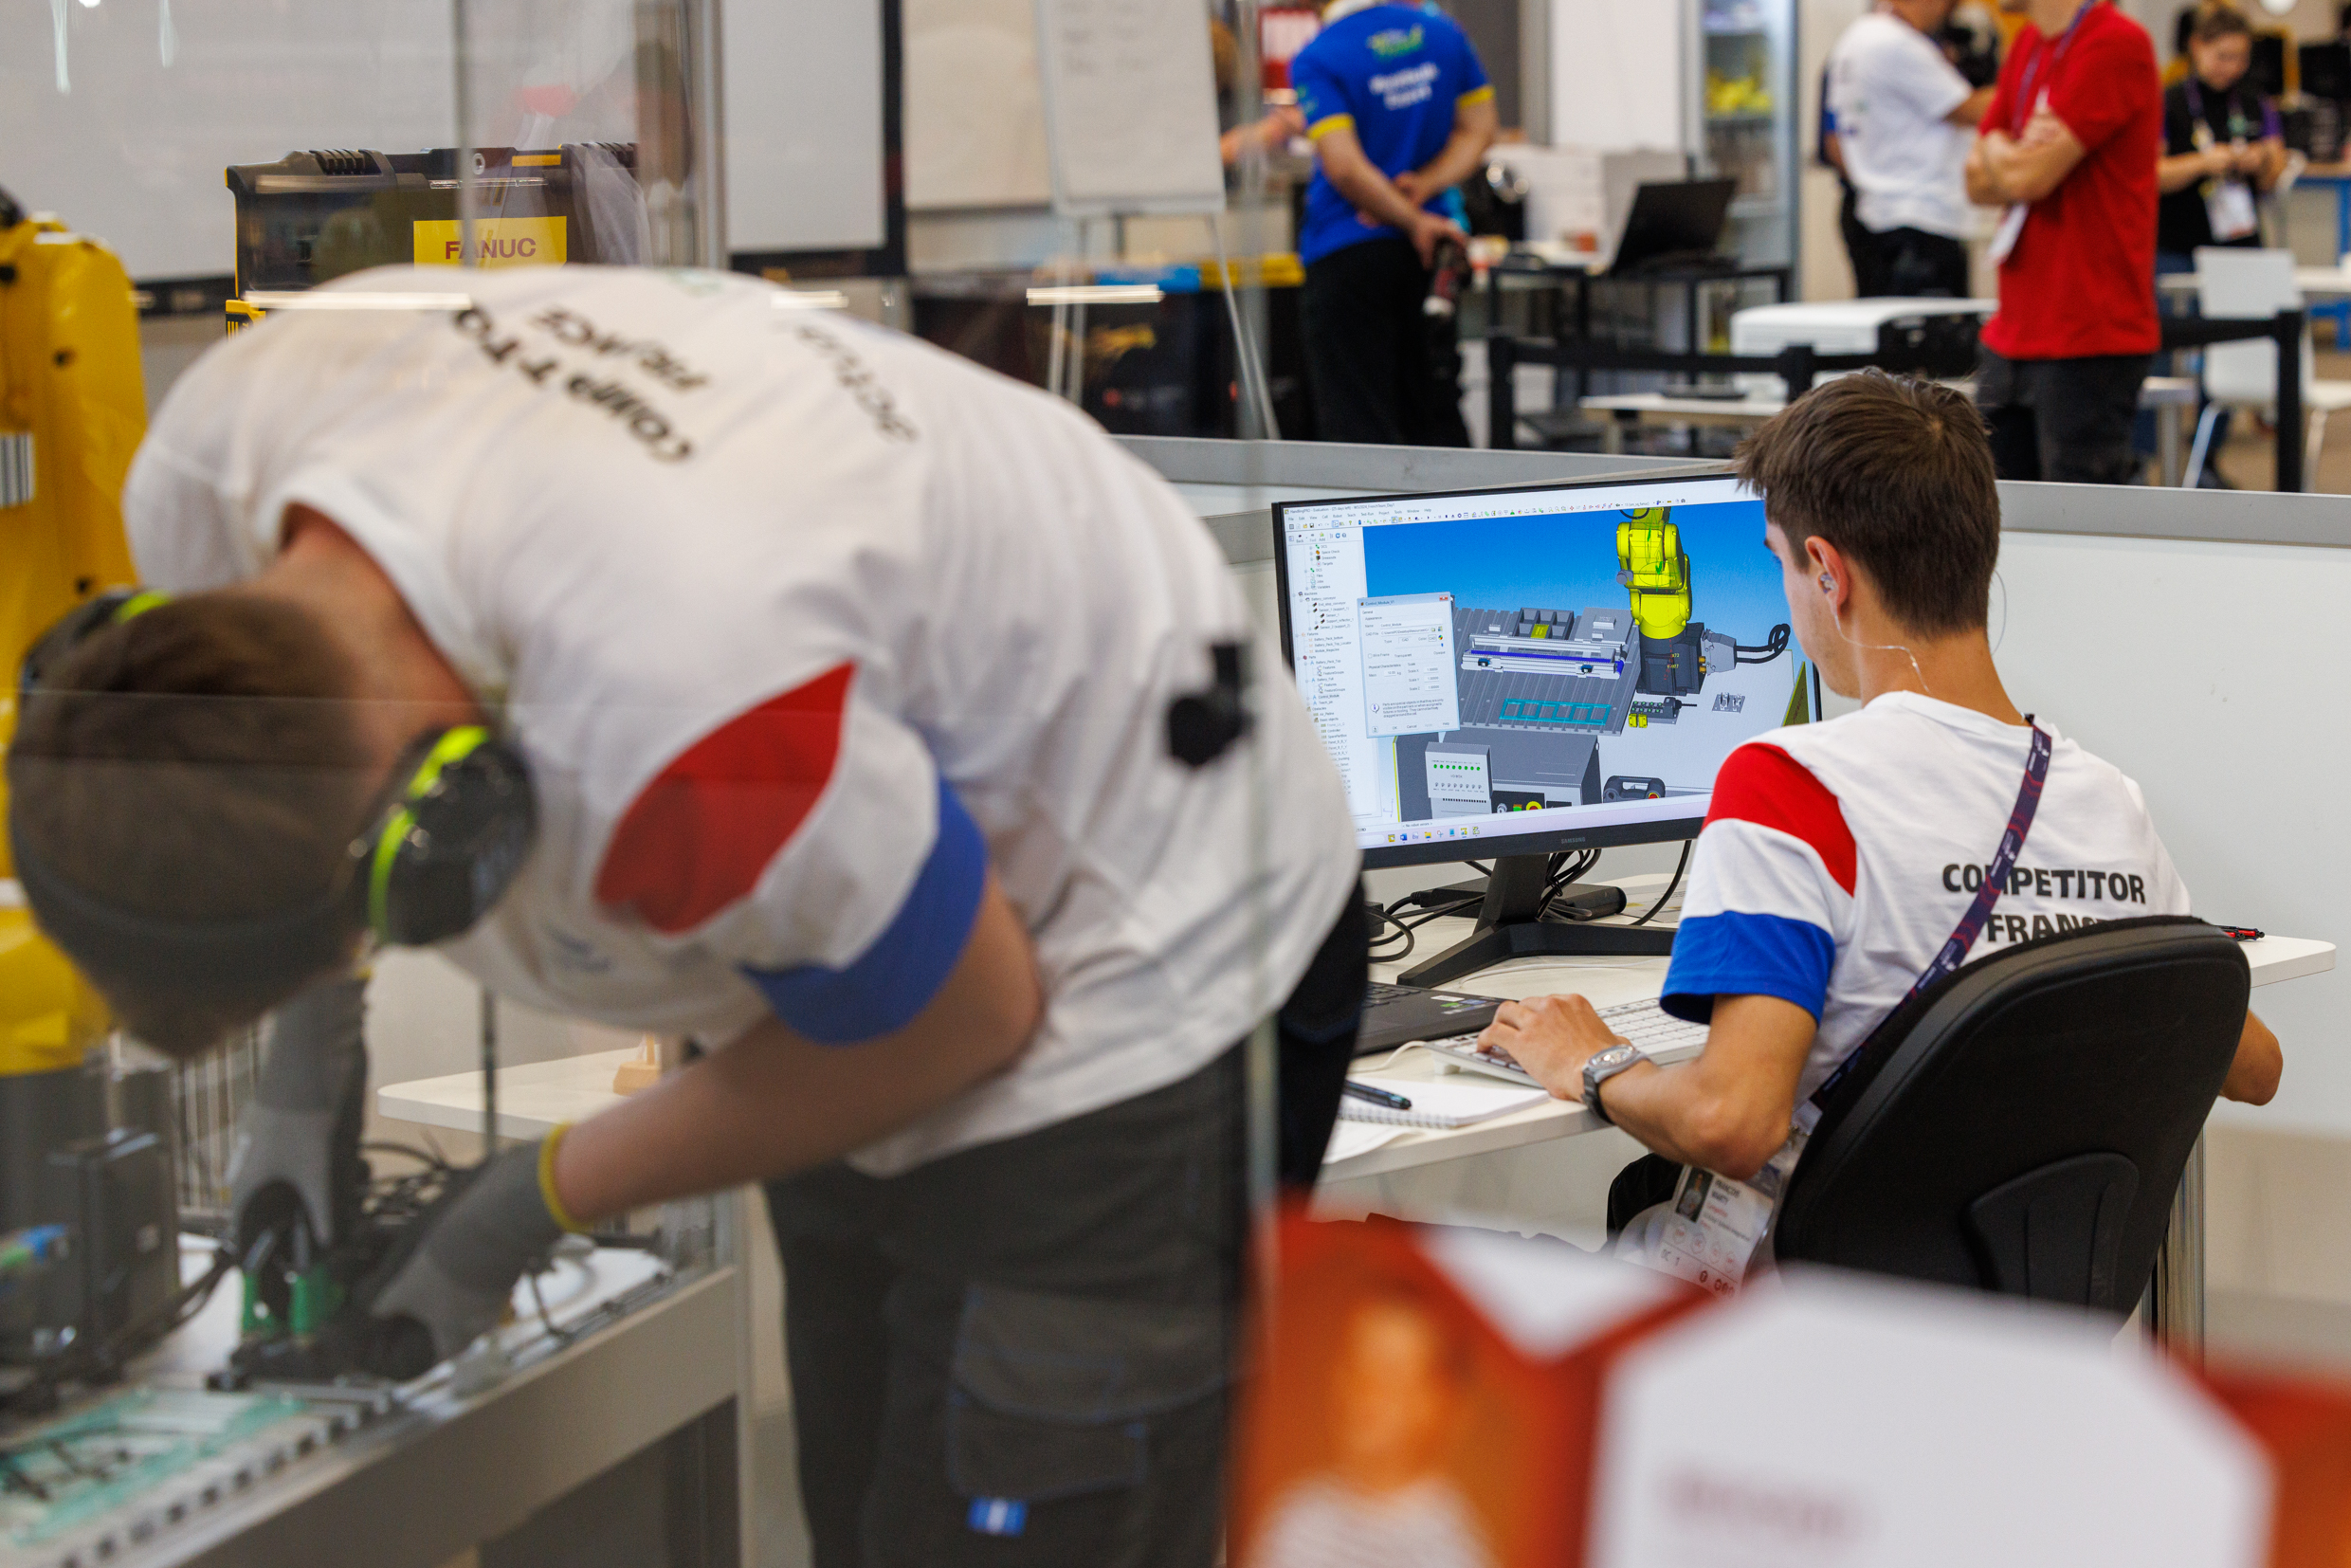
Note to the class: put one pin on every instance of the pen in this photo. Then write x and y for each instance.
(2242, 933)
(1377, 1096)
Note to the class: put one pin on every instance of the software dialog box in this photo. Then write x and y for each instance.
(1410, 675)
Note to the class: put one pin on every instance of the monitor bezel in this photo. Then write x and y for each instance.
(1609, 837)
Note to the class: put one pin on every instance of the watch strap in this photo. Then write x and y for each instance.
(1594, 1081)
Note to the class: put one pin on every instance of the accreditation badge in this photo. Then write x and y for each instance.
(2228, 205)
(1716, 1225)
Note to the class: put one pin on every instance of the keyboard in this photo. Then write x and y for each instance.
(1661, 1036)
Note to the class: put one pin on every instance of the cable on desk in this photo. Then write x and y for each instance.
(432, 1157)
(546, 1319)
(1679, 867)
(1385, 1061)
(85, 1361)
(1561, 870)
(1386, 915)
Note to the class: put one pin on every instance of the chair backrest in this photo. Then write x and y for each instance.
(2237, 280)
(2022, 1126)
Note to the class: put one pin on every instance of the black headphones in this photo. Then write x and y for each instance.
(453, 828)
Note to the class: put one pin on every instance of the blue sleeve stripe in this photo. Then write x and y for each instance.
(898, 974)
(1736, 953)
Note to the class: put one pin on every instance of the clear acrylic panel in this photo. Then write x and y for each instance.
(235, 170)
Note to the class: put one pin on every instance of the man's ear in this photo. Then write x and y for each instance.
(1828, 568)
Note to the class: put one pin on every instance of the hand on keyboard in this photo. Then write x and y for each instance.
(1549, 1038)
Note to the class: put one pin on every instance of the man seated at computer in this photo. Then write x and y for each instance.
(1837, 857)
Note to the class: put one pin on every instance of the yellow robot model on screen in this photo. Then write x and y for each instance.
(72, 411)
(1650, 563)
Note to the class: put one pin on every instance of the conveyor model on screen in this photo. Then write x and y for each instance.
(1539, 688)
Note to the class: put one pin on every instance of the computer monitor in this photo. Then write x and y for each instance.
(1519, 672)
(2326, 70)
(2266, 75)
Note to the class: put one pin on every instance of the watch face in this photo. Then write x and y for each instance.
(1615, 1055)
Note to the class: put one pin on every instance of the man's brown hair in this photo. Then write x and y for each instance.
(2216, 19)
(1897, 474)
(198, 762)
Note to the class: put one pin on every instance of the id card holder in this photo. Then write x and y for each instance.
(2229, 206)
(2004, 238)
(1711, 1235)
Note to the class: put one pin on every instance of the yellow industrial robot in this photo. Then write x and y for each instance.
(1652, 563)
(72, 411)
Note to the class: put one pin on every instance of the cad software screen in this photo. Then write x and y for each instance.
(1489, 665)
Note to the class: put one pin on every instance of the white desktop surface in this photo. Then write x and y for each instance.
(2323, 283)
(2154, 393)
(533, 1099)
(1606, 981)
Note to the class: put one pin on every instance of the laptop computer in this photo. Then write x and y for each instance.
(1674, 224)
(1397, 1014)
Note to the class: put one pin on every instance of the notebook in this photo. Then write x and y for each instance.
(1350, 1138)
(1439, 1102)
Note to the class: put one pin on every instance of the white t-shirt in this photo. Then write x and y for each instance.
(803, 625)
(1890, 88)
(1837, 857)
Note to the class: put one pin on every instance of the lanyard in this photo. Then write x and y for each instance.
(2021, 110)
(1954, 947)
(2237, 122)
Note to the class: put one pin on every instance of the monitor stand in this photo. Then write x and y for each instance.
(1507, 928)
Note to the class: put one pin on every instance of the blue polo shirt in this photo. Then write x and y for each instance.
(1395, 75)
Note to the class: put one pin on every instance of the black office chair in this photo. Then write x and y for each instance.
(2022, 1126)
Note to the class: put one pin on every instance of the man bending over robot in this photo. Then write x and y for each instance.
(672, 660)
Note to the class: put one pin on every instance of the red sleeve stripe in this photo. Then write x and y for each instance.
(698, 837)
(1767, 787)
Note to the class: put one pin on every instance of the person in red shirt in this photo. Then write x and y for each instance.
(2068, 147)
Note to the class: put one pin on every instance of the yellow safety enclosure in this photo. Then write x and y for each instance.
(72, 411)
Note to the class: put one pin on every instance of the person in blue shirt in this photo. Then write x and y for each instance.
(1399, 111)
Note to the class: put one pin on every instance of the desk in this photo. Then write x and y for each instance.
(1610, 980)
(2327, 288)
(2318, 282)
(2171, 395)
(436, 1469)
(533, 1099)
(2338, 175)
(1524, 271)
(2337, 307)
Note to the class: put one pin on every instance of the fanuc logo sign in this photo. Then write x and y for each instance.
(497, 241)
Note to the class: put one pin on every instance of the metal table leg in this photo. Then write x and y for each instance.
(2176, 1293)
(2169, 447)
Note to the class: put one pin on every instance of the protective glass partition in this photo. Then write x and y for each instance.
(256, 1235)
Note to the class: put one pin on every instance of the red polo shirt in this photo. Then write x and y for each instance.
(2081, 279)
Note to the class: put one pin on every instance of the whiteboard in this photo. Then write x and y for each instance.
(804, 136)
(974, 109)
(1616, 72)
(1130, 106)
(120, 117)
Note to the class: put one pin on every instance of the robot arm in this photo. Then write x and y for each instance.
(1652, 565)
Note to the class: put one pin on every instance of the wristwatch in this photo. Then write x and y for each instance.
(1602, 1066)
